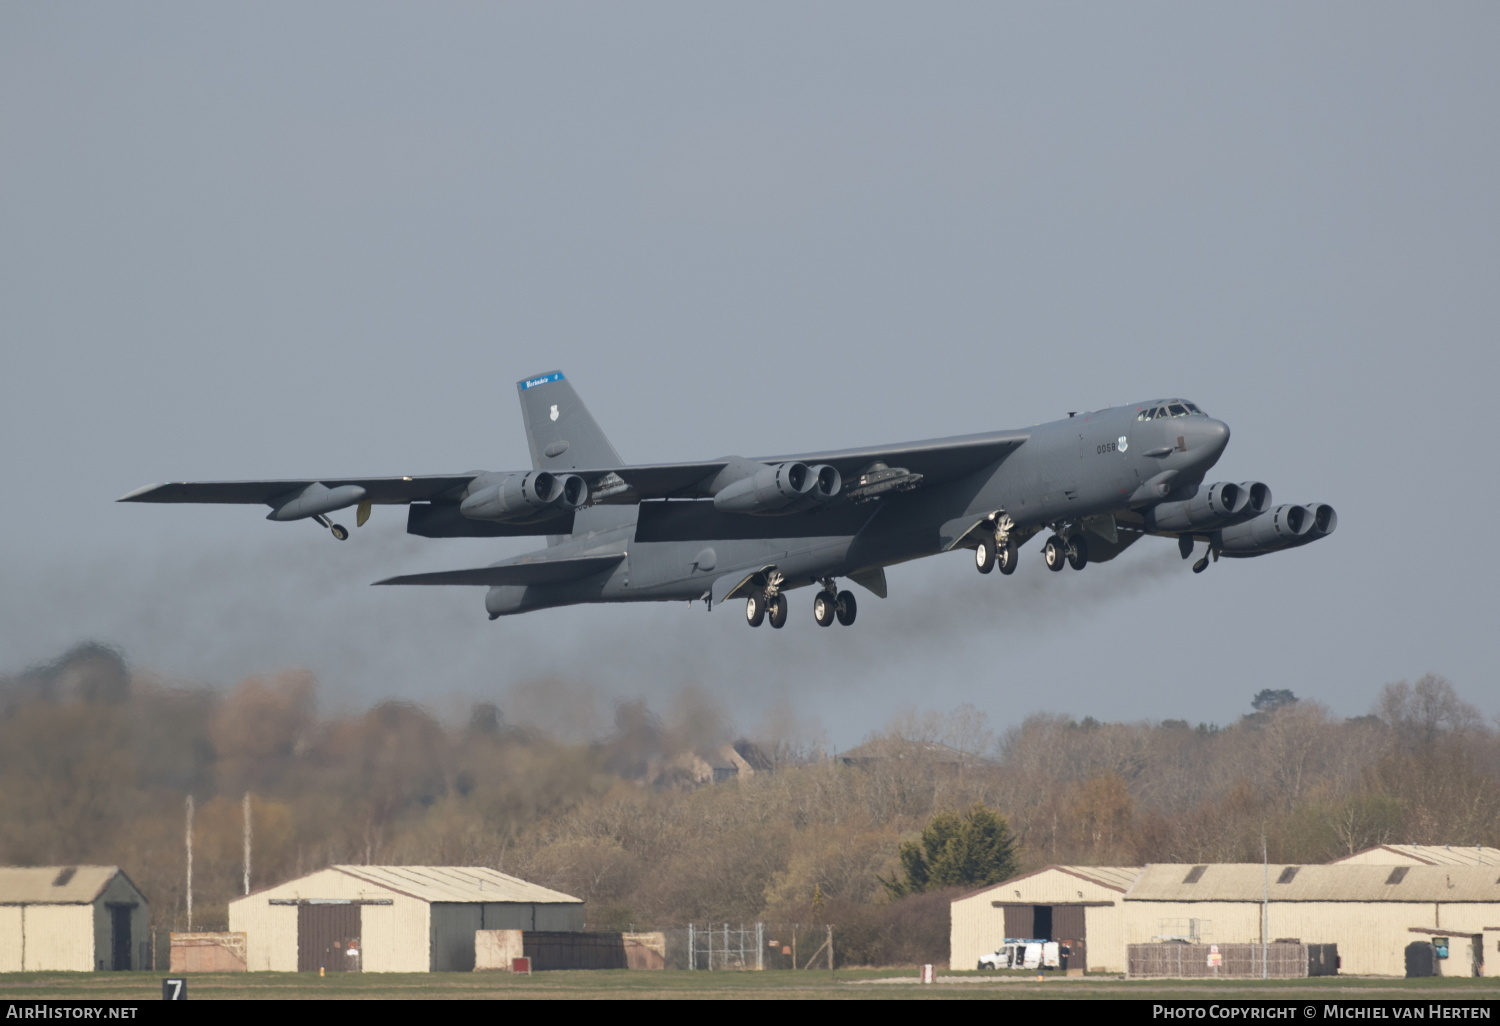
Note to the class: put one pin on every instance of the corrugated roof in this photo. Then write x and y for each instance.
(1116, 878)
(53, 885)
(1430, 854)
(1245, 881)
(455, 883)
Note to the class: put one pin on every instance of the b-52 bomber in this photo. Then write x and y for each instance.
(755, 529)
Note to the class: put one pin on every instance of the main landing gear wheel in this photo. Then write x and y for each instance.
(755, 609)
(776, 611)
(339, 531)
(1055, 552)
(825, 608)
(847, 608)
(984, 555)
(1006, 557)
(1078, 552)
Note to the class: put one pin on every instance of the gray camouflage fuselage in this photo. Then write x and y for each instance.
(754, 528)
(1064, 470)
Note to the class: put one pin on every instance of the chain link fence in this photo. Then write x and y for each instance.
(711, 946)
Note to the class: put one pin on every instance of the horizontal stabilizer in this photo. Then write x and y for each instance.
(536, 571)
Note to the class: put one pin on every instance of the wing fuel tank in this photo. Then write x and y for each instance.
(315, 499)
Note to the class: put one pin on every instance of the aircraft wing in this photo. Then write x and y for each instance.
(532, 570)
(382, 490)
(932, 462)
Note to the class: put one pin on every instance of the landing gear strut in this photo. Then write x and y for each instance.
(339, 531)
(997, 546)
(767, 602)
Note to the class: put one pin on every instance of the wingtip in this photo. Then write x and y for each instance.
(144, 490)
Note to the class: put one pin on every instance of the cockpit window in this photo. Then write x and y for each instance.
(1177, 408)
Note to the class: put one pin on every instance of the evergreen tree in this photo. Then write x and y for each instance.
(974, 849)
(1267, 700)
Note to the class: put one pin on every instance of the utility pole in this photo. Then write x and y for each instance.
(190, 863)
(1265, 911)
(247, 842)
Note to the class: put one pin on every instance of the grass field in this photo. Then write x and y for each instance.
(622, 984)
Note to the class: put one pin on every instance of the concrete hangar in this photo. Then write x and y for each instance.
(1375, 906)
(72, 918)
(391, 918)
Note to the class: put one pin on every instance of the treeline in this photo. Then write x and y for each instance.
(96, 763)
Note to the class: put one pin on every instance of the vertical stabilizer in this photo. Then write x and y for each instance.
(563, 435)
(559, 428)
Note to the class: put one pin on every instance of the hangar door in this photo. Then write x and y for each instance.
(328, 937)
(119, 936)
(1051, 922)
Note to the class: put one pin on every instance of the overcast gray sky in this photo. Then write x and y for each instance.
(284, 239)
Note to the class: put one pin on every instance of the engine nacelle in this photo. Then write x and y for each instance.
(1259, 498)
(782, 488)
(1324, 520)
(573, 491)
(533, 495)
(1218, 505)
(827, 483)
(1280, 528)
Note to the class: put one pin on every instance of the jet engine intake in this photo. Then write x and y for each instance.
(781, 488)
(572, 492)
(1260, 498)
(827, 483)
(518, 497)
(1280, 528)
(1324, 520)
(1218, 505)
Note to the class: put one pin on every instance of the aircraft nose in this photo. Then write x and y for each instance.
(1214, 436)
